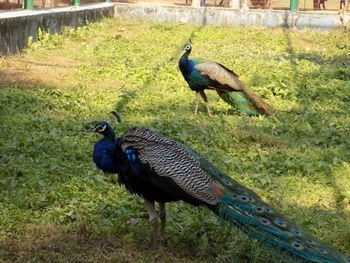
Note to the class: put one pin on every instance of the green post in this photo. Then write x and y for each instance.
(293, 5)
(75, 2)
(28, 4)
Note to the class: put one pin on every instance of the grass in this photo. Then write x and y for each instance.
(57, 207)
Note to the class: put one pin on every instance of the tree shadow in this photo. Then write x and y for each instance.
(125, 99)
(325, 64)
(130, 95)
(77, 241)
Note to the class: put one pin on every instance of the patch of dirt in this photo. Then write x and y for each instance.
(75, 244)
(57, 71)
(48, 72)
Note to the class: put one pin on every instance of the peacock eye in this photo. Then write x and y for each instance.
(101, 128)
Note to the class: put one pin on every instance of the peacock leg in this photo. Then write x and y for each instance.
(162, 216)
(152, 213)
(206, 102)
(197, 102)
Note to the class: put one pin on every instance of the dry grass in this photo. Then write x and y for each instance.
(49, 70)
(78, 244)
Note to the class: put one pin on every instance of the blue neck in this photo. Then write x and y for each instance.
(184, 64)
(110, 137)
(184, 57)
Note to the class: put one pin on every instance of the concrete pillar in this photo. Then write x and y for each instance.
(75, 2)
(235, 4)
(196, 3)
(28, 4)
(293, 5)
(245, 4)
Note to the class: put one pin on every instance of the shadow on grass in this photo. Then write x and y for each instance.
(78, 242)
(325, 65)
(81, 245)
(57, 244)
(130, 95)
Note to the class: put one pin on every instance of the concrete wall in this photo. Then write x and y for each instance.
(17, 26)
(227, 16)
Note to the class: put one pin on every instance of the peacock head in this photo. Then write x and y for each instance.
(103, 128)
(187, 47)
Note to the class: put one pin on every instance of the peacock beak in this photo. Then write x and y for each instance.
(93, 129)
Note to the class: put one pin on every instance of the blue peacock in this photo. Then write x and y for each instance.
(203, 74)
(163, 170)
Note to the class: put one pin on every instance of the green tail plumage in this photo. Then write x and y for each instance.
(240, 101)
(245, 209)
(247, 101)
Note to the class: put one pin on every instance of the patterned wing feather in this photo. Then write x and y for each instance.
(167, 158)
(221, 74)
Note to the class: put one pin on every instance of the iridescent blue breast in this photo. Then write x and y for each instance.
(104, 156)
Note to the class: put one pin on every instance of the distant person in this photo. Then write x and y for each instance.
(323, 5)
(342, 4)
(203, 2)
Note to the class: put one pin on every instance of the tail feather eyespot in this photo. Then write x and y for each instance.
(260, 210)
(319, 249)
(244, 198)
(265, 222)
(280, 223)
(228, 182)
(296, 232)
(268, 210)
(297, 245)
(312, 242)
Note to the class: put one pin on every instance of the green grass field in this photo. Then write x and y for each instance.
(55, 206)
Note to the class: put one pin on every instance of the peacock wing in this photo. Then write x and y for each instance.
(225, 80)
(226, 77)
(219, 176)
(167, 158)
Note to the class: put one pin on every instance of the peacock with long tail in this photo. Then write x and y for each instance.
(163, 170)
(202, 74)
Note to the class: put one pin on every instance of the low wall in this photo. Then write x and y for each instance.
(228, 16)
(17, 26)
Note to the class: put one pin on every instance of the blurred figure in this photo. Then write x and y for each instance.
(342, 4)
(316, 5)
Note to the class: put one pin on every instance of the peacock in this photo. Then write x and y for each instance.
(202, 74)
(163, 170)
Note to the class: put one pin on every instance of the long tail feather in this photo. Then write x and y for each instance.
(273, 228)
(246, 210)
(239, 101)
(259, 102)
(247, 101)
